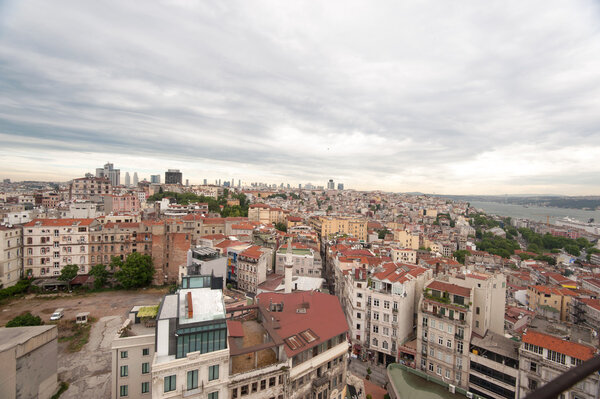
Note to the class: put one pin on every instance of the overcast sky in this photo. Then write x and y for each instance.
(454, 97)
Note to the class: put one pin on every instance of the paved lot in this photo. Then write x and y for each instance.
(87, 371)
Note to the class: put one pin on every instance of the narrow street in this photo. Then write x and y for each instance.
(359, 368)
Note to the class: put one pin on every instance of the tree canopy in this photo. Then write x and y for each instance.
(25, 320)
(100, 274)
(218, 205)
(137, 271)
(68, 273)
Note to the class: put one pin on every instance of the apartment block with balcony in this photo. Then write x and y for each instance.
(306, 261)
(253, 263)
(381, 315)
(88, 187)
(543, 357)
(51, 244)
(11, 255)
(444, 323)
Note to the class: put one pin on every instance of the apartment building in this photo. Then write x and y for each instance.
(266, 214)
(306, 261)
(51, 244)
(128, 203)
(11, 255)
(494, 366)
(327, 226)
(132, 353)
(451, 310)
(407, 239)
(551, 302)
(405, 255)
(253, 264)
(118, 240)
(88, 187)
(191, 355)
(381, 315)
(544, 357)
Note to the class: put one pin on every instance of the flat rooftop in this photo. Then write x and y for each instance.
(498, 344)
(11, 337)
(411, 386)
(207, 305)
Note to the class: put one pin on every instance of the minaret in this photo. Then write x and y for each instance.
(288, 268)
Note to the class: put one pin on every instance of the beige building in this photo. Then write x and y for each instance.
(450, 311)
(88, 187)
(551, 302)
(11, 255)
(327, 226)
(29, 362)
(406, 255)
(306, 262)
(132, 354)
(51, 244)
(266, 214)
(407, 239)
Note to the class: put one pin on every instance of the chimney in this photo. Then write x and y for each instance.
(288, 268)
(190, 306)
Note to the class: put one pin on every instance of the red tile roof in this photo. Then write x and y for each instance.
(450, 288)
(234, 328)
(253, 252)
(324, 317)
(573, 349)
(398, 272)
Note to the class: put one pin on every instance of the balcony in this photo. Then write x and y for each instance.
(320, 381)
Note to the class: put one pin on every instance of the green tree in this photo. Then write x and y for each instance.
(100, 274)
(382, 233)
(281, 226)
(572, 249)
(137, 271)
(68, 273)
(25, 320)
(461, 255)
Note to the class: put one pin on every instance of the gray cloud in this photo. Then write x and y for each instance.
(410, 96)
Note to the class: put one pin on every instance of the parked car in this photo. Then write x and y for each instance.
(58, 314)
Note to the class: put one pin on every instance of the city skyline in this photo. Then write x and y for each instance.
(486, 98)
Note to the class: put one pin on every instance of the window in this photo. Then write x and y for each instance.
(271, 382)
(244, 390)
(254, 387)
(169, 383)
(263, 383)
(384, 345)
(376, 302)
(447, 374)
(533, 384)
(438, 371)
(123, 390)
(449, 344)
(145, 368)
(213, 395)
(477, 310)
(145, 387)
(375, 315)
(213, 372)
(192, 379)
(376, 329)
(124, 371)
(424, 321)
(533, 367)
(386, 304)
(145, 351)
(476, 323)
(459, 347)
(430, 366)
(441, 340)
(374, 341)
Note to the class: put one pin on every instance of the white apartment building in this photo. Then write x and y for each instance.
(51, 244)
(11, 256)
(405, 255)
(253, 263)
(306, 262)
(381, 316)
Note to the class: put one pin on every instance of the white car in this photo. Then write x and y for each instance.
(58, 314)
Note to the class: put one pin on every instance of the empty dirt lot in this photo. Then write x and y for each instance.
(87, 371)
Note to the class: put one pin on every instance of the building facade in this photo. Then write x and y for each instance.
(11, 255)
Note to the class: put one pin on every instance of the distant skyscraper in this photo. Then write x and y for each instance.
(340, 186)
(239, 182)
(187, 182)
(300, 186)
(205, 182)
(330, 185)
(108, 171)
(135, 179)
(173, 176)
(155, 179)
(127, 180)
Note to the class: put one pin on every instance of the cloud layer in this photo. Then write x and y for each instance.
(476, 97)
